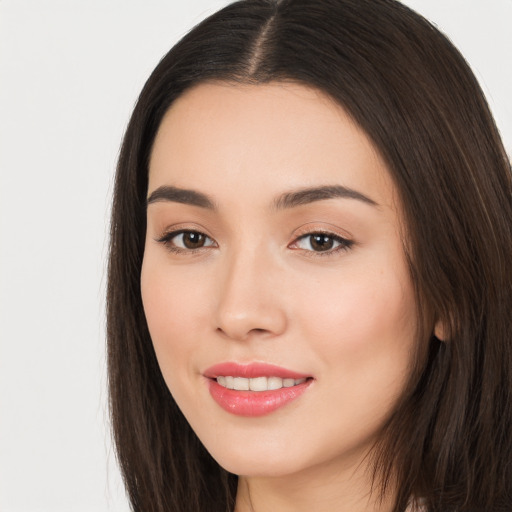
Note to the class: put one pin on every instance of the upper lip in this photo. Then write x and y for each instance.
(252, 370)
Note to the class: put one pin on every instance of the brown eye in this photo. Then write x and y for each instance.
(193, 239)
(186, 240)
(322, 242)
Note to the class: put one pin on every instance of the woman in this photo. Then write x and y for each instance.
(310, 275)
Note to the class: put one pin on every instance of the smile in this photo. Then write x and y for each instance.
(254, 389)
(257, 383)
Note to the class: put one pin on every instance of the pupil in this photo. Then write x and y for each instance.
(193, 240)
(321, 242)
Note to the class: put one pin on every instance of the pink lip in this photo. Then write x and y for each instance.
(252, 370)
(254, 403)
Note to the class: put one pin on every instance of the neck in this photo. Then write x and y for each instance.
(319, 489)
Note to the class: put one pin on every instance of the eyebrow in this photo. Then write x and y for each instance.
(310, 195)
(284, 201)
(180, 195)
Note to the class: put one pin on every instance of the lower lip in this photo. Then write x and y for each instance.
(255, 403)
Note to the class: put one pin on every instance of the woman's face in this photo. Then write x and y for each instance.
(274, 262)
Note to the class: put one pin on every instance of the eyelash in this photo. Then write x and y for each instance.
(344, 244)
(166, 239)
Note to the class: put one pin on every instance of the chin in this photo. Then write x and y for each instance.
(269, 456)
(257, 467)
(253, 455)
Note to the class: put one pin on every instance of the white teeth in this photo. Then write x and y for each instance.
(256, 383)
(274, 383)
(241, 384)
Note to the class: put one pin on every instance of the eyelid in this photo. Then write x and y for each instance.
(173, 231)
(182, 227)
(324, 228)
(345, 241)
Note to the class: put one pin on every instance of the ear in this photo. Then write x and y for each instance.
(440, 331)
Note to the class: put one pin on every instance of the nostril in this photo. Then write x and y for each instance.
(242, 335)
(241, 322)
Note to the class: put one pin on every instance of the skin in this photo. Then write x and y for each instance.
(259, 291)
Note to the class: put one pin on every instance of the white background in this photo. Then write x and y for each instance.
(70, 71)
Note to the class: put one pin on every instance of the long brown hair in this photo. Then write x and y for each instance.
(448, 440)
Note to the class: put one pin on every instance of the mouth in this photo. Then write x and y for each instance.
(255, 389)
(257, 383)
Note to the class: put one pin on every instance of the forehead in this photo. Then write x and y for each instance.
(264, 139)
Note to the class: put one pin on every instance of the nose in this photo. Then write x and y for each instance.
(249, 302)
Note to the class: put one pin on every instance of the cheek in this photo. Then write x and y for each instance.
(363, 319)
(174, 312)
(365, 342)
